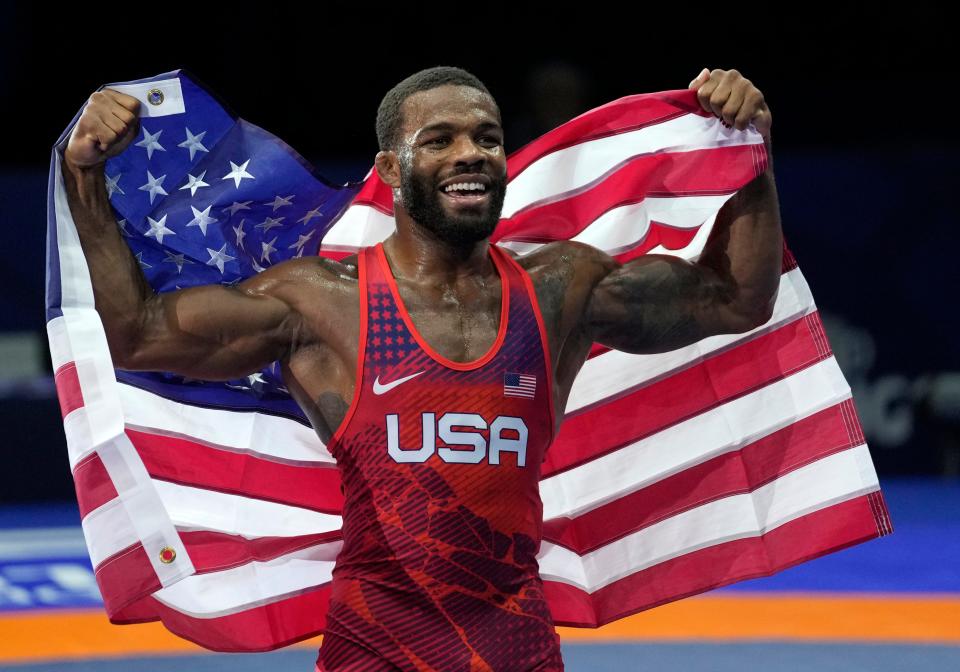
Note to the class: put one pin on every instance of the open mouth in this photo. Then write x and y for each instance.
(466, 192)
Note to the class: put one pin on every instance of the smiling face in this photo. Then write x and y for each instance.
(452, 169)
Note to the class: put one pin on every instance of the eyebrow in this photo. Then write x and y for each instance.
(447, 126)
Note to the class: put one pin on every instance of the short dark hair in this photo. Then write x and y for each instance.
(389, 117)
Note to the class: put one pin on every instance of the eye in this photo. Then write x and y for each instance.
(439, 141)
(490, 141)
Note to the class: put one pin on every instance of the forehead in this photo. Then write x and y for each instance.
(448, 104)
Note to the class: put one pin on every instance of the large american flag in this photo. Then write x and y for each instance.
(215, 508)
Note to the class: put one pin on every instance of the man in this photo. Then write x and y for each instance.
(432, 366)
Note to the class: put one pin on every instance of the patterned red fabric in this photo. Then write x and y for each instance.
(442, 519)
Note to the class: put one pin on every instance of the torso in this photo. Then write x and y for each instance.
(442, 514)
(321, 372)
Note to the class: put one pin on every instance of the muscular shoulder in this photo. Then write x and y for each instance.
(287, 280)
(564, 274)
(584, 260)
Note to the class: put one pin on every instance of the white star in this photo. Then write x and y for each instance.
(240, 233)
(268, 249)
(257, 267)
(122, 225)
(269, 223)
(178, 259)
(142, 263)
(301, 241)
(279, 202)
(154, 186)
(194, 183)
(193, 143)
(112, 185)
(237, 173)
(313, 214)
(219, 257)
(256, 379)
(150, 143)
(158, 229)
(237, 207)
(202, 218)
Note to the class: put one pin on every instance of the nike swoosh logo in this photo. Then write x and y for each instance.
(379, 388)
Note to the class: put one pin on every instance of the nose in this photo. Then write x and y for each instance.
(467, 152)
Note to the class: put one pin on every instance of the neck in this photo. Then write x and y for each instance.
(416, 253)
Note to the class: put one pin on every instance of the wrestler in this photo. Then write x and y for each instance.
(434, 366)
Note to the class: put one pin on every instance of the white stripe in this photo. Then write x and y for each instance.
(193, 508)
(98, 426)
(727, 428)
(60, 351)
(251, 432)
(831, 480)
(621, 229)
(108, 530)
(75, 288)
(172, 97)
(612, 372)
(253, 584)
(359, 226)
(576, 167)
(828, 481)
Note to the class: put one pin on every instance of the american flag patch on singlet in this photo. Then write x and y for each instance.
(519, 385)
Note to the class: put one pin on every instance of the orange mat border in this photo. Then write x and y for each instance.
(57, 635)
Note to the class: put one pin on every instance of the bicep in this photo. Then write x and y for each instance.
(212, 332)
(658, 303)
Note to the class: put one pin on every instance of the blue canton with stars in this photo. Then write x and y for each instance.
(204, 197)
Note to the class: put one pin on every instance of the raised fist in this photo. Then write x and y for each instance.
(108, 123)
(734, 99)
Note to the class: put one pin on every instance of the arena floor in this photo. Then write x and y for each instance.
(891, 605)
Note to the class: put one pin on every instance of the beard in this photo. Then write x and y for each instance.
(421, 198)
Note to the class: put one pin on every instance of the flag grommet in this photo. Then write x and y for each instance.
(155, 96)
(167, 555)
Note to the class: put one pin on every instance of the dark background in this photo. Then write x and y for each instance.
(863, 147)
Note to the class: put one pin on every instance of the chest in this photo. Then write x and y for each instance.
(460, 324)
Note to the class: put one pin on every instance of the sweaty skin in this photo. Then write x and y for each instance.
(305, 312)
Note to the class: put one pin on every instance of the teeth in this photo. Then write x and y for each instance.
(465, 186)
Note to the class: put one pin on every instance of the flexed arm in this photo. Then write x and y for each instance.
(657, 303)
(209, 332)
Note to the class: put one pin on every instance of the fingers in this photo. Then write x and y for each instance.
(753, 106)
(732, 98)
(108, 124)
(698, 81)
(128, 103)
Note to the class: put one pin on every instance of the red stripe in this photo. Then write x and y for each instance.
(714, 171)
(733, 473)
(191, 463)
(262, 628)
(215, 551)
(620, 116)
(125, 577)
(68, 388)
(685, 394)
(93, 484)
(375, 193)
(669, 237)
(281, 623)
(803, 539)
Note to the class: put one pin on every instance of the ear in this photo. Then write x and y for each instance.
(388, 168)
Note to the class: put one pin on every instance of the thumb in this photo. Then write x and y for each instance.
(697, 81)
